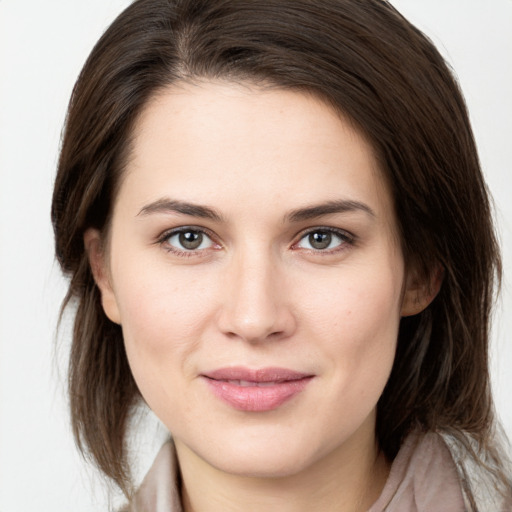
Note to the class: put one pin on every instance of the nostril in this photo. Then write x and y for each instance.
(279, 324)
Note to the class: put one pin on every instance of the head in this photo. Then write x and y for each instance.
(366, 65)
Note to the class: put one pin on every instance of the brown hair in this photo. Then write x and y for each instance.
(364, 59)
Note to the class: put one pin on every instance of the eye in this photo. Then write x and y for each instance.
(187, 240)
(323, 240)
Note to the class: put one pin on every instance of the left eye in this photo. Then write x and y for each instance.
(189, 240)
(321, 240)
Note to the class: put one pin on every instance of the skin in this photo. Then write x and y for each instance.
(257, 293)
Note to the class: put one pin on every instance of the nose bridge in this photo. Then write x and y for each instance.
(254, 306)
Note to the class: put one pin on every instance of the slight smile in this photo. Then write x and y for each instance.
(259, 390)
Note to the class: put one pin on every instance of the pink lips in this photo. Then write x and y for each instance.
(256, 390)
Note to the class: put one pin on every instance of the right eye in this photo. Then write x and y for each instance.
(187, 240)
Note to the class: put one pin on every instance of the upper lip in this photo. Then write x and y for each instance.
(270, 374)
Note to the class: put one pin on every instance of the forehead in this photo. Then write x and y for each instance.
(212, 141)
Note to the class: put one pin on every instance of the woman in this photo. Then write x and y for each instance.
(279, 239)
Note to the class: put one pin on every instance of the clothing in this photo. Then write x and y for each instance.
(423, 478)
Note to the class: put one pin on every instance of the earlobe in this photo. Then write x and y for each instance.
(99, 268)
(420, 292)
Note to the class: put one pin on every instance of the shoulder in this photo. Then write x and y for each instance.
(487, 482)
(423, 476)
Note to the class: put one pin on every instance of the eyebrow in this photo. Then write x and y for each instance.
(166, 205)
(174, 206)
(328, 208)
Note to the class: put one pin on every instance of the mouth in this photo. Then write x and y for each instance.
(258, 390)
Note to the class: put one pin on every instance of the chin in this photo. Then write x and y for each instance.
(269, 455)
(263, 464)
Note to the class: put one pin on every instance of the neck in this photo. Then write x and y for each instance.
(348, 479)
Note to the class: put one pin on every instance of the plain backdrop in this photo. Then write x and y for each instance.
(43, 45)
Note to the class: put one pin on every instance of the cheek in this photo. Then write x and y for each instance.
(358, 322)
(162, 316)
(158, 303)
(360, 307)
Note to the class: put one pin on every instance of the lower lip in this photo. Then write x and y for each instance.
(257, 398)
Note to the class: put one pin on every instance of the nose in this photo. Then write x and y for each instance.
(255, 304)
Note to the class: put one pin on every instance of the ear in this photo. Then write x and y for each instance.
(420, 291)
(100, 271)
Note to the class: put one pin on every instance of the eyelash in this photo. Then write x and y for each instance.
(163, 240)
(345, 237)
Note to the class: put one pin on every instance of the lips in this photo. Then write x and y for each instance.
(258, 390)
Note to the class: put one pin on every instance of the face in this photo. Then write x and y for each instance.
(254, 267)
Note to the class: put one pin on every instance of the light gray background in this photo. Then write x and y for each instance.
(43, 45)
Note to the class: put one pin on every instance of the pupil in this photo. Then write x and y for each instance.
(191, 239)
(320, 240)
